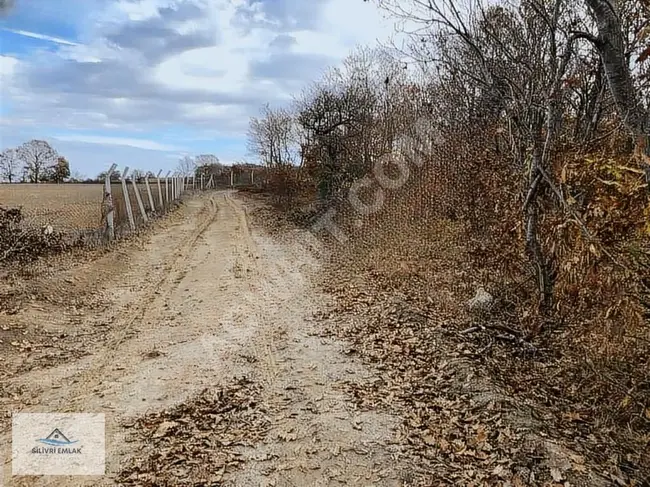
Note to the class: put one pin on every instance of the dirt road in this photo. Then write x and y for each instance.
(205, 300)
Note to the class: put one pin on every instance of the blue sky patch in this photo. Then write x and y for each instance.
(145, 82)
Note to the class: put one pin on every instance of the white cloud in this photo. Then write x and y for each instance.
(205, 66)
(341, 17)
(124, 141)
(7, 68)
(125, 10)
(43, 37)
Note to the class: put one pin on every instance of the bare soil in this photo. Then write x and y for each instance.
(208, 314)
(224, 353)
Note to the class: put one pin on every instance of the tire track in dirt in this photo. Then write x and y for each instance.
(112, 281)
(84, 380)
(146, 307)
(178, 270)
(234, 302)
(317, 437)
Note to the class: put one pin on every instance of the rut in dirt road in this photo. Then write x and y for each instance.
(231, 302)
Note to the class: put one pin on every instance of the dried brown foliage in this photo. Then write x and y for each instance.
(196, 442)
(526, 182)
(22, 243)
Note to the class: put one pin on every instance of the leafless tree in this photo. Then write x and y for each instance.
(351, 118)
(208, 165)
(187, 166)
(38, 158)
(9, 165)
(272, 138)
(203, 159)
(507, 64)
(77, 176)
(612, 47)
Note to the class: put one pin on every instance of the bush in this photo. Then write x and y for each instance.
(22, 243)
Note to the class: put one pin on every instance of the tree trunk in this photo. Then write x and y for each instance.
(540, 262)
(611, 47)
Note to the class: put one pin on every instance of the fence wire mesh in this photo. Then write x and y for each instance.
(44, 219)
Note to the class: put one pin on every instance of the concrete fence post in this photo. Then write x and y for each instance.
(148, 186)
(160, 196)
(167, 187)
(138, 197)
(108, 209)
(127, 198)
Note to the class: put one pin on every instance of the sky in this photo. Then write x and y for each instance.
(142, 83)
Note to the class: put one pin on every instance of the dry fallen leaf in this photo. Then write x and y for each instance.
(481, 435)
(557, 475)
(288, 436)
(517, 482)
(197, 439)
(429, 440)
(444, 445)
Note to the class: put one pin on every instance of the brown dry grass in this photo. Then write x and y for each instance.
(73, 208)
(457, 225)
(67, 207)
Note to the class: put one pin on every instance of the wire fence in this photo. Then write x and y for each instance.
(82, 210)
(68, 208)
(37, 220)
(41, 219)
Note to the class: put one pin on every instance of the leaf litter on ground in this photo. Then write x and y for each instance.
(196, 443)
